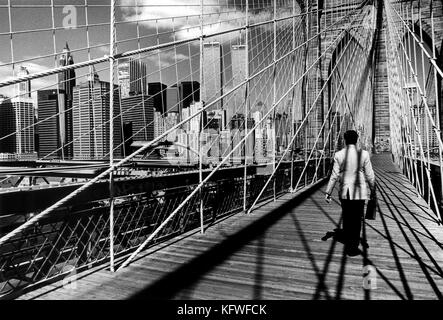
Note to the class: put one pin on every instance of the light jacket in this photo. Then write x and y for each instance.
(351, 175)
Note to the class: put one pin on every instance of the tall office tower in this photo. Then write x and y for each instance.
(278, 131)
(285, 131)
(7, 125)
(139, 110)
(91, 107)
(237, 133)
(157, 91)
(213, 127)
(131, 77)
(259, 150)
(212, 145)
(260, 139)
(270, 139)
(52, 124)
(212, 82)
(238, 55)
(235, 140)
(66, 83)
(172, 99)
(66, 79)
(215, 120)
(195, 123)
(299, 139)
(189, 92)
(182, 146)
(21, 112)
(250, 142)
(170, 121)
(193, 144)
(17, 119)
(225, 143)
(23, 89)
(159, 125)
(123, 76)
(205, 145)
(138, 119)
(184, 115)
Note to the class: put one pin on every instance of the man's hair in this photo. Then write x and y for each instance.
(351, 137)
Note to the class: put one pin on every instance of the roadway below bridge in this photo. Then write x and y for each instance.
(282, 251)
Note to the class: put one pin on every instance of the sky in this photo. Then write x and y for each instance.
(162, 21)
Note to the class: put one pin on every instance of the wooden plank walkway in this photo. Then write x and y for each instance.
(277, 252)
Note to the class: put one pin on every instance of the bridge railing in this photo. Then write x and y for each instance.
(298, 77)
(77, 237)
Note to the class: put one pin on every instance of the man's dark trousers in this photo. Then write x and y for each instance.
(352, 211)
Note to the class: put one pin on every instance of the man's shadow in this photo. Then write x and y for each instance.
(339, 236)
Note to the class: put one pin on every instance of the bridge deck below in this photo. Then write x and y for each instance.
(277, 252)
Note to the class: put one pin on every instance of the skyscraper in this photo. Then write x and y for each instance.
(189, 92)
(249, 142)
(67, 82)
(24, 87)
(172, 99)
(260, 139)
(238, 55)
(17, 120)
(132, 77)
(159, 124)
(157, 91)
(270, 139)
(237, 133)
(212, 82)
(138, 111)
(66, 79)
(7, 126)
(52, 127)
(195, 123)
(91, 120)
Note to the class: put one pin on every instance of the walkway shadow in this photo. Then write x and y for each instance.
(187, 275)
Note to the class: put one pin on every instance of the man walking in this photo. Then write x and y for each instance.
(351, 167)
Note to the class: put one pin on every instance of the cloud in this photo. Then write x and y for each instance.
(167, 58)
(36, 84)
(183, 16)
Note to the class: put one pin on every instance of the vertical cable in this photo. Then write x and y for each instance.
(54, 45)
(200, 130)
(246, 104)
(111, 134)
(437, 102)
(426, 119)
(274, 90)
(293, 96)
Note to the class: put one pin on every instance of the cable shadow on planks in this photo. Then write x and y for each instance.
(188, 274)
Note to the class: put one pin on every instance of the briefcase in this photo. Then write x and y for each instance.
(371, 209)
